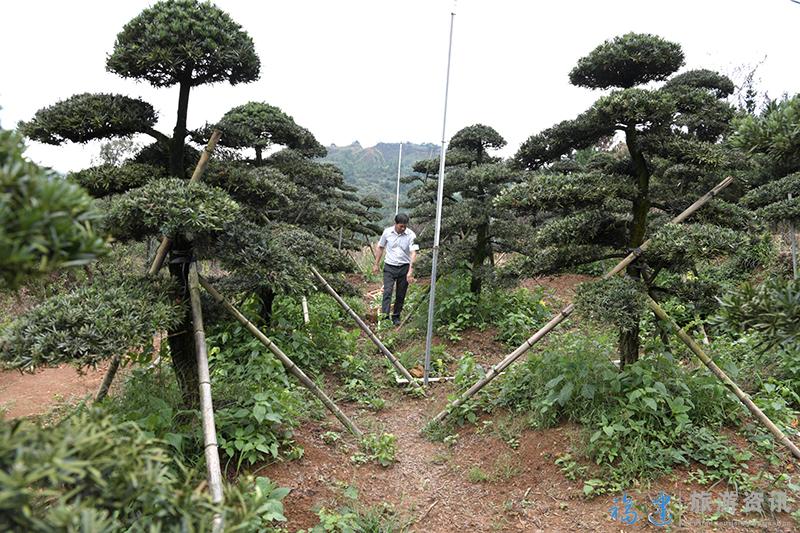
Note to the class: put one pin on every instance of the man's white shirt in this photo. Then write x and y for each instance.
(398, 246)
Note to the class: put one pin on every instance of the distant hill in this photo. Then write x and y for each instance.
(374, 170)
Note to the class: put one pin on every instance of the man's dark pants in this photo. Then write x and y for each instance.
(394, 274)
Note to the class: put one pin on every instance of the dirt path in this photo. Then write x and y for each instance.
(495, 476)
(34, 394)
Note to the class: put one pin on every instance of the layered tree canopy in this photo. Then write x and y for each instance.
(589, 203)
(772, 140)
(184, 41)
(259, 126)
(85, 117)
(474, 178)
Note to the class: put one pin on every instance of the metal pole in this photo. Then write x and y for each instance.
(397, 195)
(793, 240)
(439, 195)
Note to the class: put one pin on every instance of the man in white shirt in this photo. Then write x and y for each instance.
(398, 243)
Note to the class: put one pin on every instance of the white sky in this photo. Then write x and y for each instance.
(374, 70)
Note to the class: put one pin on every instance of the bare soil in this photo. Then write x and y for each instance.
(23, 395)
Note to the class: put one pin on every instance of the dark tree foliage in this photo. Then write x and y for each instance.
(470, 234)
(773, 142)
(45, 222)
(184, 41)
(259, 126)
(105, 180)
(180, 42)
(284, 192)
(772, 309)
(589, 204)
(89, 323)
(626, 61)
(85, 117)
(264, 223)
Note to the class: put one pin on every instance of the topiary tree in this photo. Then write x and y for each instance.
(45, 222)
(184, 43)
(248, 218)
(590, 204)
(259, 126)
(470, 235)
(291, 189)
(772, 141)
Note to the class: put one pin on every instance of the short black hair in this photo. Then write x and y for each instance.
(401, 218)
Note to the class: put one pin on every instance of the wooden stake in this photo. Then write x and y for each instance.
(282, 357)
(304, 305)
(166, 242)
(206, 405)
(102, 392)
(717, 371)
(397, 364)
(161, 254)
(495, 370)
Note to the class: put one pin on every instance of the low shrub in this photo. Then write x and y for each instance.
(88, 473)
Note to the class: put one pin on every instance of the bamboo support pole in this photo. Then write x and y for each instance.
(717, 371)
(102, 392)
(206, 405)
(166, 242)
(495, 370)
(161, 254)
(384, 350)
(283, 358)
(304, 305)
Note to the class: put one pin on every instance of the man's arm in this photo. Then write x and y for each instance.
(378, 254)
(410, 275)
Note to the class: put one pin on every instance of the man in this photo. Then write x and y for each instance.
(398, 242)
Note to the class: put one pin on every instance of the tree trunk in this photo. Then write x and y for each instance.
(478, 258)
(267, 297)
(259, 157)
(629, 338)
(181, 338)
(176, 166)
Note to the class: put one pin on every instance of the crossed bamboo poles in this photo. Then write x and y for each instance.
(660, 313)
(206, 405)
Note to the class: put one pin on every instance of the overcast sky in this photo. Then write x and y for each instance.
(375, 70)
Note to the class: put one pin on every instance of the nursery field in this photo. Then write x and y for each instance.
(502, 472)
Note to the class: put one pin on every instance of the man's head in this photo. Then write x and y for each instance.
(400, 222)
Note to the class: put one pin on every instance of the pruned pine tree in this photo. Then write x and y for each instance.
(588, 204)
(295, 189)
(260, 127)
(239, 214)
(772, 140)
(470, 234)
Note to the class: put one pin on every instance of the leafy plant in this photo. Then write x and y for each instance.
(46, 222)
(380, 448)
(88, 473)
(641, 421)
